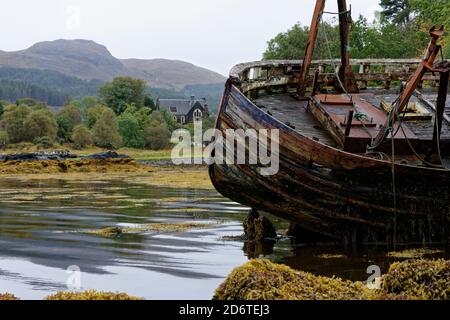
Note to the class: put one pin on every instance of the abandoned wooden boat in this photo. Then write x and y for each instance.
(363, 165)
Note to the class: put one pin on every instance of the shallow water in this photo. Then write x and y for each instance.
(41, 224)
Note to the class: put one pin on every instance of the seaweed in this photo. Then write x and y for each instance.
(7, 296)
(413, 253)
(425, 279)
(260, 279)
(91, 295)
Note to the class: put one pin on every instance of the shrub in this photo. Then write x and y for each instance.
(157, 138)
(4, 139)
(426, 279)
(40, 123)
(14, 122)
(81, 137)
(43, 142)
(105, 131)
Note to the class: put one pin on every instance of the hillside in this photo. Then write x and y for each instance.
(89, 60)
(175, 74)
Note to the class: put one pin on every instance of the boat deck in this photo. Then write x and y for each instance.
(295, 114)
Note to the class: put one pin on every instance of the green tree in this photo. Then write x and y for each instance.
(40, 123)
(105, 132)
(131, 131)
(167, 117)
(67, 118)
(123, 91)
(14, 121)
(88, 102)
(149, 102)
(397, 11)
(30, 103)
(2, 109)
(94, 113)
(157, 135)
(81, 137)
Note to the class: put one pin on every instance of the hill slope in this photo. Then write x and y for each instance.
(88, 60)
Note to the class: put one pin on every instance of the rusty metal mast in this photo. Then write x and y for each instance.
(345, 73)
(425, 65)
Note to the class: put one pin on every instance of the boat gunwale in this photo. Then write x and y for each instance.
(336, 153)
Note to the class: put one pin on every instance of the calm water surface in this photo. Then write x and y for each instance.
(41, 224)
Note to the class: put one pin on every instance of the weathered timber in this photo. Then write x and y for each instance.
(344, 196)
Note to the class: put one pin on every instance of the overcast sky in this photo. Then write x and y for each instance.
(215, 34)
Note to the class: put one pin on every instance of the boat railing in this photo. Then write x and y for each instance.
(283, 75)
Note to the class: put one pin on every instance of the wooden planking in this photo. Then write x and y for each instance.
(294, 113)
(359, 202)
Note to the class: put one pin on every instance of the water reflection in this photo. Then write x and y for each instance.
(41, 235)
(41, 224)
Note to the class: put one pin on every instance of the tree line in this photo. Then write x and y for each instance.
(123, 115)
(400, 31)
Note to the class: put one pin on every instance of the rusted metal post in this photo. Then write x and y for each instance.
(348, 125)
(345, 72)
(309, 52)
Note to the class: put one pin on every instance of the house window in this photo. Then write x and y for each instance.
(183, 119)
(198, 115)
(173, 109)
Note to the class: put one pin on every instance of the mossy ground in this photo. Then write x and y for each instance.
(261, 279)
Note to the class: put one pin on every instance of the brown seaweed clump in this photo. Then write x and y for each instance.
(424, 279)
(91, 295)
(413, 253)
(7, 296)
(407, 280)
(258, 228)
(264, 280)
(156, 227)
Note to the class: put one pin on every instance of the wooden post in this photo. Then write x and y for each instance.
(345, 73)
(440, 108)
(309, 52)
(348, 125)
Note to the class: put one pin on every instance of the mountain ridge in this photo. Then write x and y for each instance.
(88, 60)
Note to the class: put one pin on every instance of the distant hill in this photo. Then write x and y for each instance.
(76, 68)
(174, 74)
(89, 60)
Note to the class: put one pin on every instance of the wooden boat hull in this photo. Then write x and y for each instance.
(332, 193)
